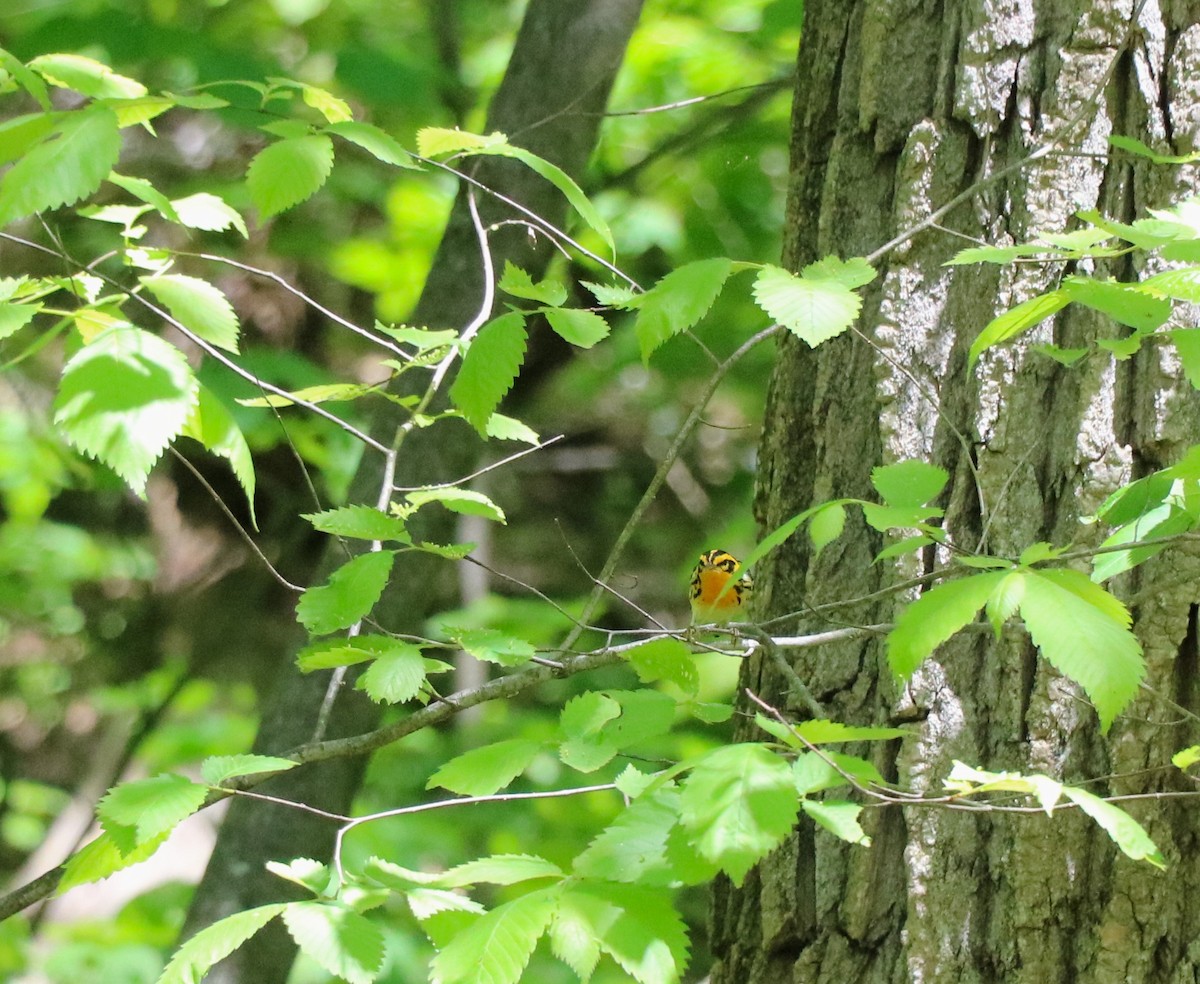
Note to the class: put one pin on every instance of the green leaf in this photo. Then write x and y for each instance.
(934, 617)
(1127, 304)
(336, 111)
(14, 317)
(826, 526)
(666, 659)
(840, 818)
(1187, 347)
(822, 732)
(348, 595)
(142, 189)
(1186, 757)
(287, 172)
(852, 273)
(499, 869)
(1063, 356)
(381, 145)
(581, 328)
(464, 501)
(586, 714)
(494, 646)
(199, 306)
(1015, 321)
(149, 806)
(779, 535)
(1005, 600)
(435, 140)
(327, 654)
(324, 393)
(19, 134)
(496, 947)
(489, 368)
(305, 872)
(1122, 348)
(1129, 835)
(738, 803)
(359, 523)
(214, 943)
(509, 429)
(814, 772)
(123, 398)
(208, 212)
(518, 283)
(27, 79)
(483, 771)
(611, 295)
(395, 676)
(595, 733)
(633, 848)
(1136, 147)
(346, 944)
(66, 166)
(215, 769)
(102, 857)
(637, 926)
(1083, 631)
(86, 76)
(1000, 255)
(213, 426)
(909, 483)
(813, 308)
(678, 301)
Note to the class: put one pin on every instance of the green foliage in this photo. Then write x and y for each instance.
(285, 173)
(677, 302)
(218, 768)
(213, 943)
(135, 813)
(820, 303)
(489, 368)
(348, 595)
(345, 943)
(483, 771)
(199, 306)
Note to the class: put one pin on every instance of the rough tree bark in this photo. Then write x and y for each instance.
(556, 86)
(900, 107)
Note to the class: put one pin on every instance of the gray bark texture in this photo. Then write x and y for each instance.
(550, 101)
(900, 106)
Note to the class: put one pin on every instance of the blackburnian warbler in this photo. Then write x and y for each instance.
(718, 594)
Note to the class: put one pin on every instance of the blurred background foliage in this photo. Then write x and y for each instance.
(136, 636)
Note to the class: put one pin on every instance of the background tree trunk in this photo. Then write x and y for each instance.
(899, 108)
(550, 101)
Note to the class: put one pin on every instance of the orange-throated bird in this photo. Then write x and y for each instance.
(718, 594)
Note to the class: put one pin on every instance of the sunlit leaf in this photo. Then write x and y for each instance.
(489, 368)
(149, 806)
(287, 172)
(214, 943)
(381, 145)
(495, 948)
(199, 306)
(678, 301)
(934, 617)
(1015, 321)
(86, 76)
(814, 309)
(348, 595)
(346, 944)
(217, 768)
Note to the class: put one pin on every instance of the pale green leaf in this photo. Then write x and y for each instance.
(1129, 835)
(826, 526)
(214, 943)
(346, 944)
(28, 80)
(909, 483)
(934, 617)
(123, 398)
(1186, 757)
(483, 771)
(494, 646)
(199, 306)
(573, 935)
(1187, 347)
(1136, 147)
(287, 172)
(86, 76)
(581, 328)
(520, 284)
(611, 295)
(1083, 631)
(738, 803)
(328, 653)
(666, 659)
(814, 309)
(305, 872)
(1183, 285)
(1005, 600)
(214, 427)
(395, 676)
(19, 134)
(464, 501)
(66, 166)
(323, 393)
(1127, 304)
(149, 806)
(489, 368)
(381, 145)
(348, 595)
(359, 522)
(840, 818)
(635, 925)
(142, 189)
(1015, 321)
(587, 713)
(822, 732)
(103, 856)
(434, 140)
(335, 110)
(633, 848)
(215, 769)
(813, 772)
(1063, 356)
(509, 429)
(852, 273)
(779, 535)
(678, 301)
(495, 948)
(14, 317)
(208, 212)
(499, 869)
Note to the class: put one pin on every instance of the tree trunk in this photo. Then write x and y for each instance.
(899, 108)
(550, 101)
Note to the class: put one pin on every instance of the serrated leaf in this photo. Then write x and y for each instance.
(308, 873)
(428, 902)
(666, 659)
(287, 172)
(323, 393)
(1005, 600)
(214, 943)
(149, 806)
(27, 79)
(909, 483)
(1129, 835)
(778, 536)
(581, 328)
(1186, 757)
(678, 301)
(376, 142)
(1187, 347)
(489, 368)
(395, 676)
(142, 189)
(564, 183)
(496, 947)
(335, 110)
(738, 803)
(346, 944)
(813, 309)
(123, 398)
(483, 771)
(434, 140)
(215, 769)
(852, 273)
(934, 617)
(1127, 304)
(213, 426)
(573, 935)
(66, 166)
(86, 76)
(840, 818)
(360, 523)
(611, 295)
(19, 134)
(509, 429)
(348, 595)
(464, 501)
(1015, 321)
(327, 654)
(587, 713)
(520, 284)
(637, 926)
(494, 646)
(633, 848)
(1083, 631)
(595, 734)
(14, 317)
(199, 306)
(499, 869)
(102, 856)
(208, 212)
